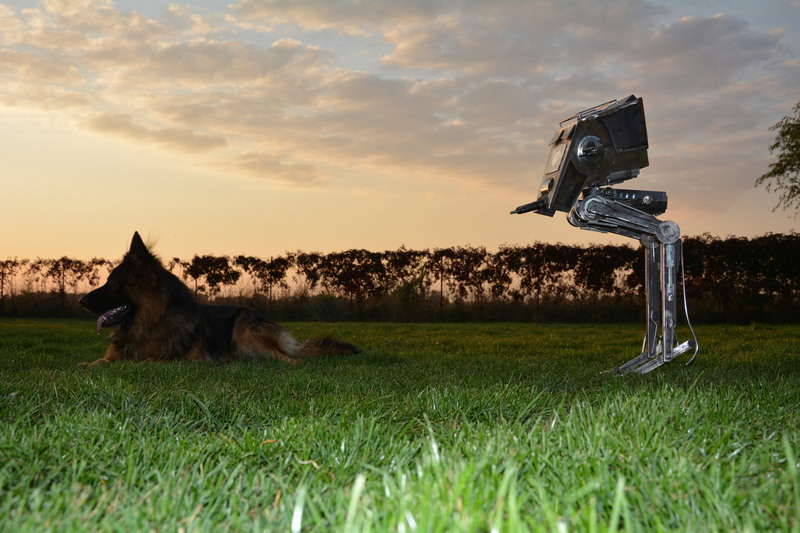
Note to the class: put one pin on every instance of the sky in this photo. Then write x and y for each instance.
(263, 126)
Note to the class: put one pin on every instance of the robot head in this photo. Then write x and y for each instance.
(603, 145)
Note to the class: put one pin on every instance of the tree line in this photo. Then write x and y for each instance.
(733, 279)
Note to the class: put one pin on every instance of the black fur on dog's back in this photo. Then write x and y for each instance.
(154, 317)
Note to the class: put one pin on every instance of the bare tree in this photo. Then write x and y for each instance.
(269, 274)
(8, 270)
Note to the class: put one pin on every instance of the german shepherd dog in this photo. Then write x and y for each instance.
(153, 317)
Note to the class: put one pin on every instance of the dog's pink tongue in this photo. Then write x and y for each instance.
(102, 320)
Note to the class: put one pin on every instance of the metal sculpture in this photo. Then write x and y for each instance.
(592, 150)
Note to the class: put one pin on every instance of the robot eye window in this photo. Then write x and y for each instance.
(592, 150)
(556, 156)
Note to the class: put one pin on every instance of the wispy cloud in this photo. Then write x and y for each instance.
(263, 165)
(181, 139)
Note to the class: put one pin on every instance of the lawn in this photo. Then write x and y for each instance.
(434, 427)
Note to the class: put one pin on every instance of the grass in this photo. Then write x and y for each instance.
(446, 427)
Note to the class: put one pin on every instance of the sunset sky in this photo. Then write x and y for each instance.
(260, 127)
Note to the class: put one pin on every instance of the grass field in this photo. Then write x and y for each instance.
(445, 427)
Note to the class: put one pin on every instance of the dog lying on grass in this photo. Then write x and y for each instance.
(154, 317)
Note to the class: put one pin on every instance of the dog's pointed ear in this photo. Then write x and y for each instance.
(138, 247)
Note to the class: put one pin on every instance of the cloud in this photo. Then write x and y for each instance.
(345, 15)
(10, 23)
(35, 69)
(701, 54)
(464, 92)
(40, 82)
(182, 18)
(271, 167)
(98, 18)
(177, 138)
(206, 63)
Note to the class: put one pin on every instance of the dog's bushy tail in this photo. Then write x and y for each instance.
(255, 338)
(321, 346)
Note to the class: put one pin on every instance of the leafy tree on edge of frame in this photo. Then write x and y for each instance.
(784, 174)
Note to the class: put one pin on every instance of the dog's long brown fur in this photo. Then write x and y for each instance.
(153, 317)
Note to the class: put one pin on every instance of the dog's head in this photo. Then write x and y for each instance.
(115, 301)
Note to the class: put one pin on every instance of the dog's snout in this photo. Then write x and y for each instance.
(83, 301)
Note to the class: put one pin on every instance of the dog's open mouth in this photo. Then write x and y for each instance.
(112, 317)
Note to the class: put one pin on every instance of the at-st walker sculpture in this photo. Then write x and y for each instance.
(603, 146)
